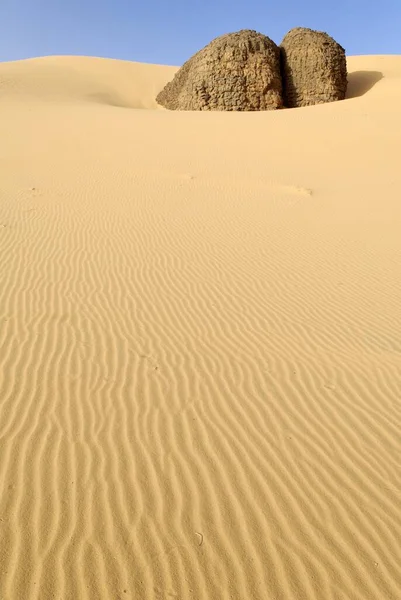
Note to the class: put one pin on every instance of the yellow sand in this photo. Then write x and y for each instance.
(200, 340)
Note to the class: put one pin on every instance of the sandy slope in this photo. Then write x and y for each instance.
(200, 341)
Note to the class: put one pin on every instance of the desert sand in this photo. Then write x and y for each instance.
(200, 340)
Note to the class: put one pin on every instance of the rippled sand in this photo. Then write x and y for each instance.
(200, 340)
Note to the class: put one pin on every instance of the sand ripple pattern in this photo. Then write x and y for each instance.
(200, 374)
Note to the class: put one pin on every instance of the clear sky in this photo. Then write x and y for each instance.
(170, 31)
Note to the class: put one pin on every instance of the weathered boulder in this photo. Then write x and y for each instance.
(237, 71)
(314, 68)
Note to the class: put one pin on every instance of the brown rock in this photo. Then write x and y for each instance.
(313, 67)
(237, 71)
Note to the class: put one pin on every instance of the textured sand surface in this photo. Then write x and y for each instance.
(200, 340)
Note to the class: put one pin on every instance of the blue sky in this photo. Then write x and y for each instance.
(169, 32)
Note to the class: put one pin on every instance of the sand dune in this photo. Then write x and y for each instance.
(200, 340)
(72, 79)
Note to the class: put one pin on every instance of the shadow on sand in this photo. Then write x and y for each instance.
(360, 82)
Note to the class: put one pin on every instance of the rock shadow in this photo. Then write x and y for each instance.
(361, 82)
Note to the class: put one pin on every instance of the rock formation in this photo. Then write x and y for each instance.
(313, 67)
(237, 71)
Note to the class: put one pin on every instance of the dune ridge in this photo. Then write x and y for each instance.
(200, 328)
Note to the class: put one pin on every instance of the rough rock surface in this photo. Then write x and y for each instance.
(314, 68)
(237, 71)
